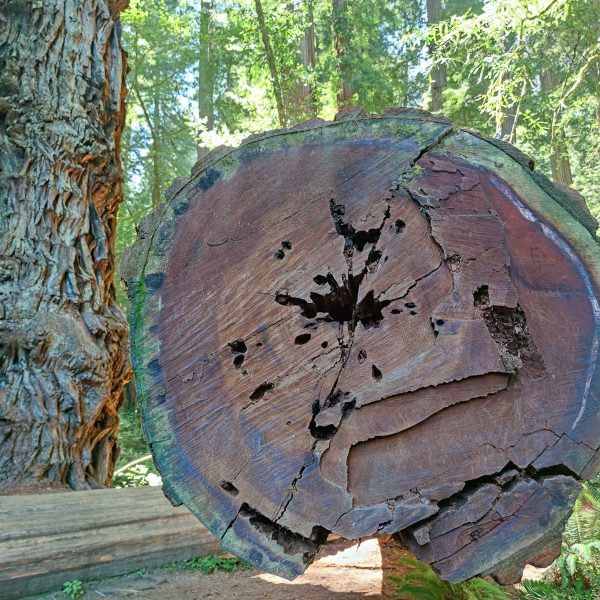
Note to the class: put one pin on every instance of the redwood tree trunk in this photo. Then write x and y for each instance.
(63, 359)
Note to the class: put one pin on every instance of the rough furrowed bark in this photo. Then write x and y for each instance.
(372, 325)
(63, 355)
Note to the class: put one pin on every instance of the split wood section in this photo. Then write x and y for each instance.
(373, 325)
(47, 539)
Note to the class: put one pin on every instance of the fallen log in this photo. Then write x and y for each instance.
(372, 325)
(48, 539)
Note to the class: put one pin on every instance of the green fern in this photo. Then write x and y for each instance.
(422, 583)
(575, 575)
(416, 592)
(480, 589)
(593, 489)
(584, 524)
(541, 590)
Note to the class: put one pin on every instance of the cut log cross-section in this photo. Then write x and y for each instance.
(372, 325)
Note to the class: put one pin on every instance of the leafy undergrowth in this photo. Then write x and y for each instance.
(422, 583)
(131, 441)
(575, 575)
(137, 476)
(133, 446)
(211, 564)
(73, 589)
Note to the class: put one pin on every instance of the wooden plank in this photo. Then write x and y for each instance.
(47, 539)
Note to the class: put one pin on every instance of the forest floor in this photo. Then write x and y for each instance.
(342, 571)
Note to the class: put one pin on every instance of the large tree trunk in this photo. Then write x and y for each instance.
(437, 75)
(63, 356)
(375, 325)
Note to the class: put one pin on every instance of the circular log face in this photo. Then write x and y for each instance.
(371, 326)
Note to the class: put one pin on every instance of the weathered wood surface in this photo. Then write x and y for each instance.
(375, 325)
(47, 539)
(63, 337)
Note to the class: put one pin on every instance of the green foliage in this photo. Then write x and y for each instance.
(574, 576)
(131, 440)
(211, 564)
(137, 476)
(422, 583)
(73, 589)
(576, 572)
(132, 446)
(584, 525)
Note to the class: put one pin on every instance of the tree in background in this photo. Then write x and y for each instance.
(306, 88)
(63, 350)
(437, 74)
(341, 40)
(160, 138)
(270, 57)
(206, 71)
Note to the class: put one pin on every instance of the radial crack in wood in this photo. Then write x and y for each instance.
(351, 327)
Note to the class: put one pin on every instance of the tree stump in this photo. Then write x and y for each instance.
(372, 325)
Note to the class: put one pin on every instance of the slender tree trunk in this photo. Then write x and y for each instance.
(264, 33)
(559, 160)
(598, 95)
(509, 124)
(156, 178)
(559, 156)
(63, 348)
(308, 101)
(206, 77)
(437, 75)
(406, 83)
(506, 119)
(340, 40)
